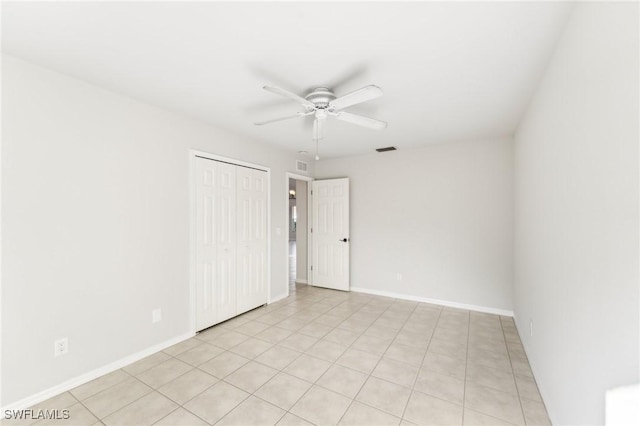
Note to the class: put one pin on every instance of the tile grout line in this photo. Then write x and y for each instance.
(128, 404)
(197, 367)
(373, 369)
(168, 414)
(281, 371)
(94, 394)
(156, 389)
(348, 347)
(487, 387)
(404, 410)
(513, 374)
(288, 411)
(219, 380)
(466, 367)
(526, 359)
(253, 393)
(249, 396)
(87, 408)
(360, 334)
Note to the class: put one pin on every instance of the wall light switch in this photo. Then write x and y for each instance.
(156, 315)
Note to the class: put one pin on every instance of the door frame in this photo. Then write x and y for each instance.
(308, 179)
(192, 154)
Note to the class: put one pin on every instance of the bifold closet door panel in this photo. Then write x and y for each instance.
(215, 242)
(231, 240)
(206, 247)
(251, 238)
(226, 236)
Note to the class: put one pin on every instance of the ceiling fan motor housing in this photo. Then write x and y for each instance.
(320, 96)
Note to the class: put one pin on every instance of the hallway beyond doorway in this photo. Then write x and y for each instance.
(293, 285)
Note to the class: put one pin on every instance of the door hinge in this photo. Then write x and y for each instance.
(312, 267)
(312, 192)
(312, 230)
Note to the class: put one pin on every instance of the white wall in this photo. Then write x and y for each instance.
(441, 216)
(576, 215)
(95, 219)
(301, 235)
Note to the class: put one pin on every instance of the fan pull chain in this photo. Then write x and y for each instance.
(317, 156)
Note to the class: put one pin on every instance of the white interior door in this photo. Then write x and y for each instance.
(330, 234)
(215, 242)
(252, 238)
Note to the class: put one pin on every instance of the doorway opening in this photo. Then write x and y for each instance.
(298, 229)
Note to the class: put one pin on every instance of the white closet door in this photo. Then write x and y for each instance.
(206, 248)
(252, 238)
(226, 294)
(215, 242)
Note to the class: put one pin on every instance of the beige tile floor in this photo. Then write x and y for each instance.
(293, 251)
(325, 357)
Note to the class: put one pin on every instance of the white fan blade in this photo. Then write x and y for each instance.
(361, 95)
(318, 128)
(287, 94)
(288, 117)
(361, 120)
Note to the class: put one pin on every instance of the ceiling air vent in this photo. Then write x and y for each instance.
(301, 166)
(388, 148)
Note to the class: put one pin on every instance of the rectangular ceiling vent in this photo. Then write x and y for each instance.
(388, 148)
(301, 166)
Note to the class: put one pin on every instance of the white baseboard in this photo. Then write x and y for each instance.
(94, 374)
(277, 298)
(476, 308)
(302, 281)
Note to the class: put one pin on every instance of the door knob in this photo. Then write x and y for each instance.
(344, 240)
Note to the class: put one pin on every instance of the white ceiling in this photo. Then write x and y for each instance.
(450, 71)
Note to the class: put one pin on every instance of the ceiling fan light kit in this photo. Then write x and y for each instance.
(323, 103)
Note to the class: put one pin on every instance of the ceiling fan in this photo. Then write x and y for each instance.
(322, 103)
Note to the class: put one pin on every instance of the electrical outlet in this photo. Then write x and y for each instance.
(156, 315)
(530, 327)
(398, 276)
(61, 347)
